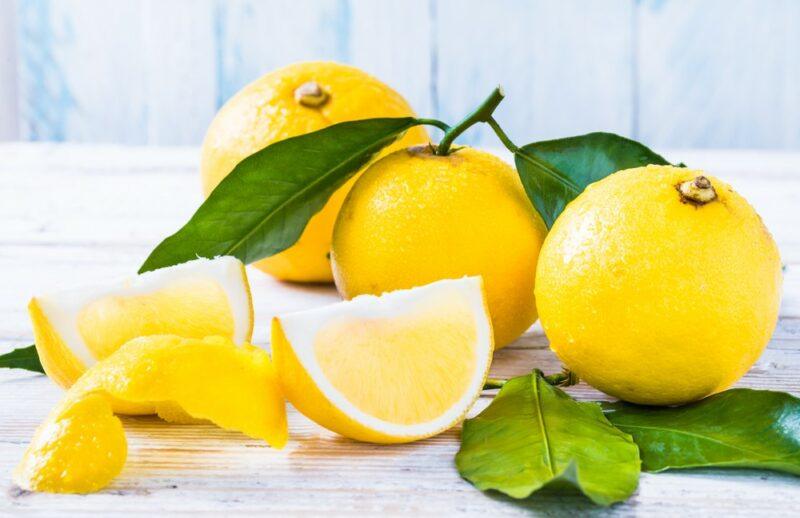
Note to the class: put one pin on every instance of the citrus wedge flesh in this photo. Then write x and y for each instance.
(205, 297)
(392, 368)
(81, 446)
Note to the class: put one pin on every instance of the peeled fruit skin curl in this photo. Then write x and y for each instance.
(75, 328)
(657, 291)
(288, 102)
(414, 218)
(81, 446)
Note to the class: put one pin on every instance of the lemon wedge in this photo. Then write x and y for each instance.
(204, 297)
(81, 446)
(395, 368)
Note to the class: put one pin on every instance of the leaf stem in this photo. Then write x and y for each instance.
(493, 383)
(502, 135)
(435, 122)
(565, 378)
(482, 113)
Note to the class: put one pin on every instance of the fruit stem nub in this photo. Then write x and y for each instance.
(311, 94)
(482, 113)
(697, 191)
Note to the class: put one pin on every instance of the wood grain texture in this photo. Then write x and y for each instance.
(74, 214)
(671, 73)
(719, 73)
(9, 110)
(82, 71)
(393, 40)
(181, 69)
(565, 66)
(254, 38)
(388, 39)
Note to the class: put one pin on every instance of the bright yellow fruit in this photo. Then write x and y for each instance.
(414, 218)
(396, 368)
(81, 446)
(658, 285)
(288, 102)
(75, 328)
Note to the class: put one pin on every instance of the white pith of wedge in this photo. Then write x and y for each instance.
(223, 275)
(440, 332)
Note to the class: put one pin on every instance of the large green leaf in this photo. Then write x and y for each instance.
(534, 435)
(262, 207)
(22, 358)
(555, 172)
(738, 428)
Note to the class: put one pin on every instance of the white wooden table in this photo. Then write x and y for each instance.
(73, 214)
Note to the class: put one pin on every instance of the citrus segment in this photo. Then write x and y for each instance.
(75, 328)
(395, 368)
(81, 446)
(105, 323)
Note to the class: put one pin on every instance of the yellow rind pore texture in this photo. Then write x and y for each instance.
(266, 111)
(653, 300)
(414, 218)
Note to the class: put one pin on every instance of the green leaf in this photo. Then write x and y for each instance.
(22, 358)
(555, 172)
(738, 428)
(534, 435)
(262, 207)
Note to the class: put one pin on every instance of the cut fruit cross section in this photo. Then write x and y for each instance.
(205, 297)
(395, 368)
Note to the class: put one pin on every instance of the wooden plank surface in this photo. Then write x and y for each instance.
(667, 72)
(701, 70)
(75, 214)
(9, 101)
(559, 80)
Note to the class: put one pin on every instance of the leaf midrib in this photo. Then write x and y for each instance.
(291, 199)
(569, 184)
(542, 427)
(695, 435)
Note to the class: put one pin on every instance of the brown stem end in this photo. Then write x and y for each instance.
(698, 191)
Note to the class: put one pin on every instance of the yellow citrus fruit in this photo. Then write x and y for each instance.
(396, 368)
(288, 102)
(659, 285)
(75, 328)
(414, 217)
(81, 446)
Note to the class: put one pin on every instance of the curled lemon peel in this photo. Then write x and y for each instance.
(81, 446)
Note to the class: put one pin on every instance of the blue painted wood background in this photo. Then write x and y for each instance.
(672, 73)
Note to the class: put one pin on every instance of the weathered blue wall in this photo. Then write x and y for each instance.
(677, 73)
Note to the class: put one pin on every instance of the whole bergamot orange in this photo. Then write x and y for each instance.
(659, 285)
(415, 217)
(291, 101)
